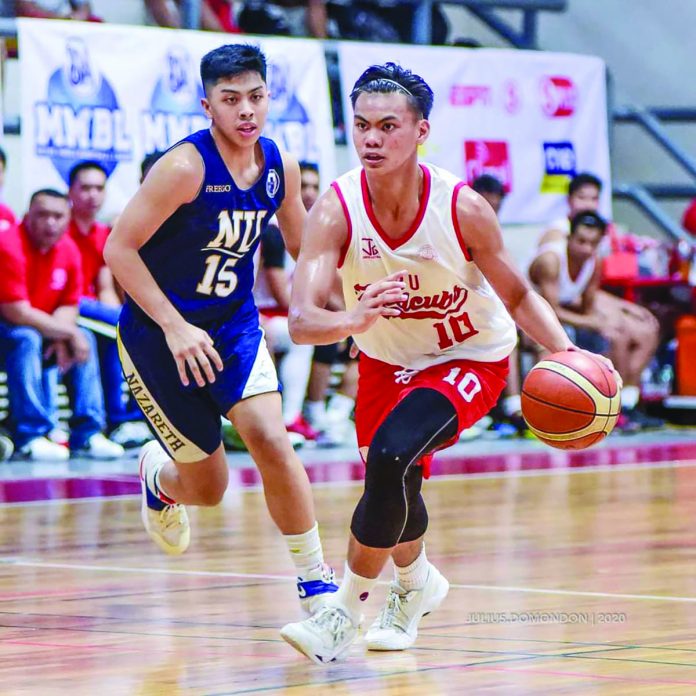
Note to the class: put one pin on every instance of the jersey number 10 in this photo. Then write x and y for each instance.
(454, 330)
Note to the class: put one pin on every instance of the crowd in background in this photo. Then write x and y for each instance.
(59, 305)
(361, 20)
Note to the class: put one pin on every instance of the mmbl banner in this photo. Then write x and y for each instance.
(115, 93)
(531, 119)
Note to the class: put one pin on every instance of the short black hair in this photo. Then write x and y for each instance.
(487, 183)
(3, 157)
(588, 218)
(584, 179)
(230, 60)
(391, 77)
(149, 161)
(84, 166)
(52, 193)
(309, 166)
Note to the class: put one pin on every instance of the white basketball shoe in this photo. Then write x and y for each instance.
(166, 524)
(323, 637)
(396, 627)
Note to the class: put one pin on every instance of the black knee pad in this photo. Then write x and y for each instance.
(391, 508)
(383, 511)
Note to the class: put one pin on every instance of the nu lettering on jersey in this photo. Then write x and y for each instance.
(238, 233)
(202, 256)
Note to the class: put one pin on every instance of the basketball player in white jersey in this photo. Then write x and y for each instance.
(430, 296)
(567, 274)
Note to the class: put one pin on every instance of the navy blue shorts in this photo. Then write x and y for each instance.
(186, 420)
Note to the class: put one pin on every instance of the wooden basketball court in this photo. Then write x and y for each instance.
(566, 582)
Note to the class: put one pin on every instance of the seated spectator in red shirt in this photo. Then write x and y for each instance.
(7, 216)
(100, 306)
(40, 286)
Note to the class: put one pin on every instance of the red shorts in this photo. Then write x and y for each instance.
(472, 388)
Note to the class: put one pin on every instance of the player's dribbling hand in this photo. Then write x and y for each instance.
(192, 348)
(605, 361)
(378, 300)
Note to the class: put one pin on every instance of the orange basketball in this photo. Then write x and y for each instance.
(570, 400)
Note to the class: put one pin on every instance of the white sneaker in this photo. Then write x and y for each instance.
(315, 588)
(59, 436)
(98, 446)
(323, 637)
(168, 526)
(6, 447)
(42, 449)
(396, 628)
(131, 434)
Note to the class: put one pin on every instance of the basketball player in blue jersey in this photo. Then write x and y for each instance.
(189, 334)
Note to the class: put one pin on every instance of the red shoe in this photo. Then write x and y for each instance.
(302, 427)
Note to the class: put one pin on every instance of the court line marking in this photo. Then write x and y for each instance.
(30, 563)
(445, 478)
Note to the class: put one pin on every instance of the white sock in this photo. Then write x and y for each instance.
(340, 407)
(415, 575)
(157, 488)
(352, 594)
(157, 457)
(316, 413)
(512, 404)
(305, 551)
(629, 397)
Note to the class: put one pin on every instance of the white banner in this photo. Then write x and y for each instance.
(114, 93)
(531, 119)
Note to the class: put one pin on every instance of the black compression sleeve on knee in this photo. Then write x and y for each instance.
(419, 424)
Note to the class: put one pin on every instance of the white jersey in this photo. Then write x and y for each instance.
(451, 312)
(569, 291)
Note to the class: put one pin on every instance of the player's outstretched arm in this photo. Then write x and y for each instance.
(325, 234)
(292, 214)
(174, 180)
(532, 313)
(485, 241)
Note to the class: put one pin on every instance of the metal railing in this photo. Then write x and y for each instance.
(644, 195)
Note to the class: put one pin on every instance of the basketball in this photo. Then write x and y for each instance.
(570, 400)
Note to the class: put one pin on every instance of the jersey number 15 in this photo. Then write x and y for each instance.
(218, 278)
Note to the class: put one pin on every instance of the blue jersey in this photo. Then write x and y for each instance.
(202, 257)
